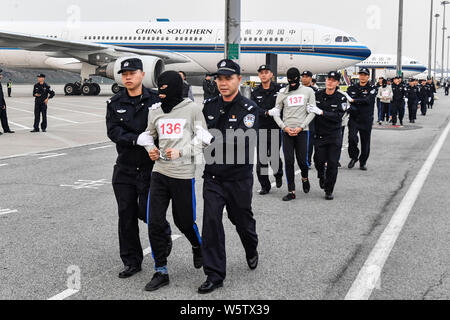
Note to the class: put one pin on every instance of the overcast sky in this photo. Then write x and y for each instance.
(372, 22)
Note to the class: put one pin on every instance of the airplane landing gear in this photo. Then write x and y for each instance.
(116, 88)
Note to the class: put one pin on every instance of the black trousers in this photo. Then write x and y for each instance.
(274, 156)
(296, 147)
(431, 104)
(423, 108)
(40, 108)
(379, 109)
(236, 196)
(4, 120)
(397, 111)
(365, 132)
(342, 141)
(312, 132)
(412, 110)
(182, 193)
(9, 92)
(385, 111)
(328, 150)
(446, 91)
(131, 188)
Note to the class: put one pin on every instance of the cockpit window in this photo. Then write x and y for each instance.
(338, 39)
(346, 39)
(352, 39)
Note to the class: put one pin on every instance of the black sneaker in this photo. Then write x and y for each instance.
(329, 196)
(289, 197)
(339, 165)
(279, 181)
(306, 186)
(158, 281)
(363, 167)
(264, 192)
(34, 130)
(198, 258)
(253, 262)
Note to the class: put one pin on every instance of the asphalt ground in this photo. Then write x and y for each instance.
(58, 219)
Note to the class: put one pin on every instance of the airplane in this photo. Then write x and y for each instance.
(386, 65)
(98, 48)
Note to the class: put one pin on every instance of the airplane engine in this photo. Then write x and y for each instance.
(153, 67)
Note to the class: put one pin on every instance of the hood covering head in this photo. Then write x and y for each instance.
(293, 76)
(173, 91)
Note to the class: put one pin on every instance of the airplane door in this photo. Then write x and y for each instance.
(220, 40)
(307, 40)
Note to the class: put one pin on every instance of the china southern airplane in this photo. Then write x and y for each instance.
(97, 48)
(387, 65)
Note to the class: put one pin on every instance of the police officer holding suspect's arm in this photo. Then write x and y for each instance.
(362, 97)
(42, 93)
(292, 103)
(228, 181)
(3, 115)
(265, 96)
(331, 107)
(307, 81)
(175, 123)
(126, 119)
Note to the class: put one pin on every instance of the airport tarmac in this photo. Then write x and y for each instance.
(58, 218)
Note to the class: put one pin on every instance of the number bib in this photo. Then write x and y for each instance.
(171, 128)
(385, 94)
(295, 101)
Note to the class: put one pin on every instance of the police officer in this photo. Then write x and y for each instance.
(174, 123)
(209, 87)
(398, 103)
(362, 97)
(228, 182)
(126, 119)
(42, 93)
(187, 88)
(292, 102)
(412, 100)
(424, 96)
(447, 87)
(432, 92)
(9, 86)
(307, 81)
(3, 115)
(265, 96)
(331, 106)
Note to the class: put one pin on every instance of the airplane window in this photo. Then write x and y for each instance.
(195, 39)
(338, 39)
(260, 39)
(190, 39)
(281, 39)
(276, 39)
(185, 38)
(103, 38)
(265, 39)
(176, 38)
(201, 39)
(157, 38)
(346, 39)
(353, 39)
(271, 39)
(121, 38)
(167, 38)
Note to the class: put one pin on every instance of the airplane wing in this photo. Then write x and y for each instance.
(79, 49)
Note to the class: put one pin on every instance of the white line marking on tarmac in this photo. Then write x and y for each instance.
(3, 164)
(70, 292)
(53, 156)
(52, 117)
(104, 147)
(19, 125)
(369, 276)
(87, 184)
(6, 211)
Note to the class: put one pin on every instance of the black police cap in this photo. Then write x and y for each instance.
(307, 74)
(334, 75)
(264, 67)
(364, 70)
(132, 64)
(228, 67)
(41, 75)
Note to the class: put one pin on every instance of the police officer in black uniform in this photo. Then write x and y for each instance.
(265, 96)
(412, 99)
(331, 107)
(3, 115)
(42, 93)
(126, 119)
(430, 83)
(398, 103)
(307, 81)
(228, 182)
(424, 95)
(362, 98)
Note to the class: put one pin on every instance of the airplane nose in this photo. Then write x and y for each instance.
(365, 52)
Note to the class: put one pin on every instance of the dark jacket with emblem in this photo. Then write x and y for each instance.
(126, 119)
(412, 94)
(333, 106)
(266, 99)
(44, 91)
(399, 92)
(241, 113)
(362, 109)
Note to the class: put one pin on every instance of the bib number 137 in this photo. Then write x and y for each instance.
(171, 128)
(296, 100)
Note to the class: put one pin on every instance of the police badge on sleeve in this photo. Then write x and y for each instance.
(249, 120)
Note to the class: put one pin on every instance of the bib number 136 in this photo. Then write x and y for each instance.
(171, 128)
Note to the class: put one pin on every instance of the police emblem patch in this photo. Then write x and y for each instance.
(249, 120)
(121, 111)
(223, 64)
